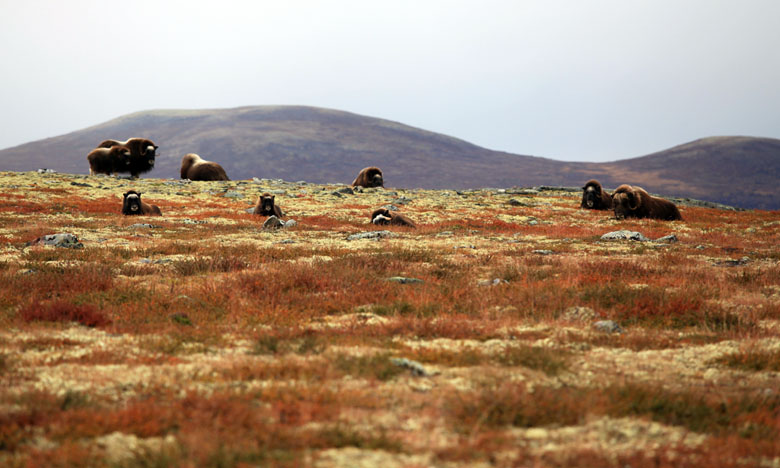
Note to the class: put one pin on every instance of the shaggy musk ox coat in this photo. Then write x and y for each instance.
(142, 154)
(109, 160)
(266, 206)
(385, 216)
(194, 167)
(132, 205)
(594, 197)
(369, 177)
(635, 202)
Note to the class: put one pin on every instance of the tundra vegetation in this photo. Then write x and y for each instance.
(200, 339)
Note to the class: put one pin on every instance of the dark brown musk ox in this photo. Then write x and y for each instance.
(267, 207)
(594, 197)
(109, 160)
(133, 206)
(369, 177)
(142, 154)
(634, 202)
(194, 167)
(384, 216)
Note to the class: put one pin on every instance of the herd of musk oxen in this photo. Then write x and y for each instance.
(136, 156)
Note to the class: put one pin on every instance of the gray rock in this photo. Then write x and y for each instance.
(415, 367)
(624, 235)
(402, 200)
(466, 246)
(390, 207)
(493, 282)
(273, 223)
(373, 235)
(445, 234)
(670, 239)
(46, 171)
(65, 240)
(526, 191)
(142, 226)
(732, 263)
(286, 241)
(533, 222)
(195, 221)
(346, 191)
(232, 194)
(516, 202)
(404, 280)
(607, 326)
(336, 194)
(290, 223)
(80, 184)
(543, 252)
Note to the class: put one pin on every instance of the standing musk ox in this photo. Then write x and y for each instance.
(266, 206)
(369, 177)
(109, 161)
(594, 197)
(194, 167)
(385, 216)
(635, 202)
(132, 205)
(142, 154)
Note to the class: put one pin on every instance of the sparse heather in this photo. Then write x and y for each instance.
(201, 339)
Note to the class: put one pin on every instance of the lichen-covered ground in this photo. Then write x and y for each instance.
(200, 339)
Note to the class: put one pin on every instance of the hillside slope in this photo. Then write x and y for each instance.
(322, 145)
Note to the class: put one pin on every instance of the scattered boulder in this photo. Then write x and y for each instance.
(670, 239)
(346, 191)
(65, 240)
(733, 263)
(404, 280)
(273, 223)
(543, 252)
(372, 235)
(493, 282)
(414, 367)
(625, 235)
(607, 326)
(142, 226)
(290, 223)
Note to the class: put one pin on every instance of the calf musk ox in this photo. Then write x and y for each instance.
(369, 177)
(594, 197)
(142, 154)
(266, 206)
(109, 160)
(385, 216)
(635, 202)
(132, 205)
(194, 167)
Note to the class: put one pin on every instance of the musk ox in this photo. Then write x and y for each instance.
(635, 202)
(369, 177)
(266, 206)
(142, 154)
(194, 167)
(385, 216)
(132, 205)
(594, 197)
(109, 160)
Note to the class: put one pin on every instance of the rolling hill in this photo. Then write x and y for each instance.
(323, 145)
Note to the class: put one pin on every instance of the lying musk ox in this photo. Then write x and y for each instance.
(369, 177)
(132, 205)
(635, 202)
(142, 154)
(385, 216)
(109, 160)
(266, 206)
(594, 197)
(194, 167)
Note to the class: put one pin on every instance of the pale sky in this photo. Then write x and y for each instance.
(575, 80)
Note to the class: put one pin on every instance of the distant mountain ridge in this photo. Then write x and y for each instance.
(325, 146)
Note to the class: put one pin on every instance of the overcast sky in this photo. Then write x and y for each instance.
(592, 80)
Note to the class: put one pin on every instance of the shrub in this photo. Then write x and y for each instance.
(62, 311)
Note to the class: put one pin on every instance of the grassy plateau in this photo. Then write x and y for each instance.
(201, 339)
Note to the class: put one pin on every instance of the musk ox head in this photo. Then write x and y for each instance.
(591, 193)
(626, 201)
(266, 203)
(131, 203)
(381, 216)
(121, 155)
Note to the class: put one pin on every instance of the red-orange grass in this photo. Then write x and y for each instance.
(62, 311)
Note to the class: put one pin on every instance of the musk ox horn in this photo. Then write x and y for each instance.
(633, 196)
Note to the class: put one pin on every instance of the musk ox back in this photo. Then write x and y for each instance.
(109, 160)
(594, 197)
(369, 177)
(194, 167)
(133, 206)
(635, 202)
(142, 154)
